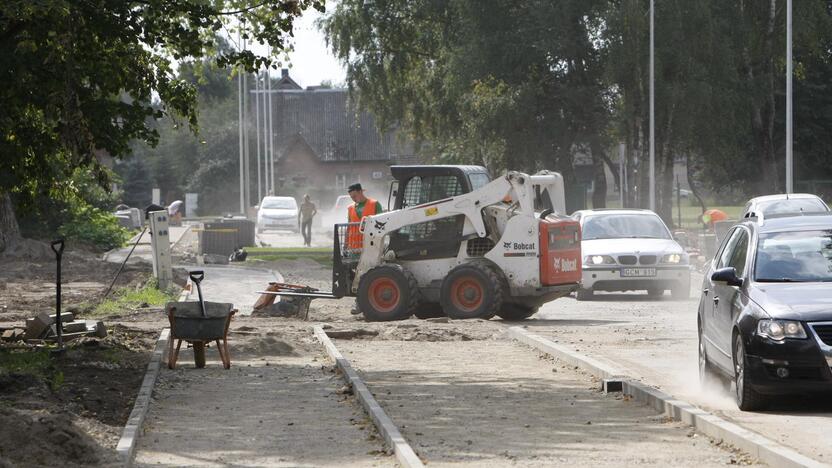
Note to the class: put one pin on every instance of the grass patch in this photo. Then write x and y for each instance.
(129, 298)
(293, 251)
(36, 363)
(321, 255)
(32, 362)
(324, 260)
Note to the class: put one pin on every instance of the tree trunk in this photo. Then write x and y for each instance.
(599, 177)
(9, 229)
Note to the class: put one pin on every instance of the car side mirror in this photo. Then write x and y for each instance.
(727, 275)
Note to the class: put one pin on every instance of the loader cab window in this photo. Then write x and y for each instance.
(431, 239)
(479, 180)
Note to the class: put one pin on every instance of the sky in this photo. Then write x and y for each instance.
(311, 62)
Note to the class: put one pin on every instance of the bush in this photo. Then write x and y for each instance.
(94, 227)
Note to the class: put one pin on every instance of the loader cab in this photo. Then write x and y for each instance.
(417, 185)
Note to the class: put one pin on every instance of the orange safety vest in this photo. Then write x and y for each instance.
(354, 237)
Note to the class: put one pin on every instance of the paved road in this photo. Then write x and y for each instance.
(320, 238)
(656, 340)
(238, 286)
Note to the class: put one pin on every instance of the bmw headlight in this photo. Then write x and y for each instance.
(675, 258)
(778, 330)
(599, 260)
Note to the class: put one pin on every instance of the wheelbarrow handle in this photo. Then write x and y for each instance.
(59, 251)
(197, 276)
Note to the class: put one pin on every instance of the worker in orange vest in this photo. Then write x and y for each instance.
(362, 207)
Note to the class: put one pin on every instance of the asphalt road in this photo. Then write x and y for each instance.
(656, 341)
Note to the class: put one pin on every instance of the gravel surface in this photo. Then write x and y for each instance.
(281, 404)
(489, 402)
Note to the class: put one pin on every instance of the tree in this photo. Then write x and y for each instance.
(506, 84)
(81, 76)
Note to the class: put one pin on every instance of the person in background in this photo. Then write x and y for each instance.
(305, 215)
(175, 213)
(712, 216)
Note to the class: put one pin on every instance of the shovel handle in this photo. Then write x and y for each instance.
(59, 251)
(197, 276)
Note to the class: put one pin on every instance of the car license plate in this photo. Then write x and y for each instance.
(638, 272)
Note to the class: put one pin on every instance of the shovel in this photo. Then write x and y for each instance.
(197, 277)
(59, 251)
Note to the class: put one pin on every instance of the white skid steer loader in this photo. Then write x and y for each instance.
(459, 245)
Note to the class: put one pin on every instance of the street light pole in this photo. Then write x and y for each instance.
(789, 156)
(652, 115)
(257, 132)
(240, 131)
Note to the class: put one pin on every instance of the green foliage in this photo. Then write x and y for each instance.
(125, 299)
(82, 77)
(32, 362)
(528, 84)
(94, 227)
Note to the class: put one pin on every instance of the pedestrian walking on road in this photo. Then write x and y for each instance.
(305, 215)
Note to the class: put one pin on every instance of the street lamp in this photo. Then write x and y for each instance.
(789, 157)
(652, 117)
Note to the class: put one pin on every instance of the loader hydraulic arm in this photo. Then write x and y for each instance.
(375, 228)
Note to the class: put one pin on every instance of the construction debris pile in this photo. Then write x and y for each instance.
(43, 329)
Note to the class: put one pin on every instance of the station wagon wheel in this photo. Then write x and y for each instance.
(747, 399)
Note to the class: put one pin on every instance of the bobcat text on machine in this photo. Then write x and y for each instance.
(458, 245)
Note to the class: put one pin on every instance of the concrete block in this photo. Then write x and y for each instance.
(612, 385)
(73, 327)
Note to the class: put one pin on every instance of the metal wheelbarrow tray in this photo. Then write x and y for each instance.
(189, 323)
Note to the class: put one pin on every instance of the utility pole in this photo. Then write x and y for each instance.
(789, 156)
(246, 149)
(621, 171)
(257, 132)
(652, 114)
(272, 167)
(240, 131)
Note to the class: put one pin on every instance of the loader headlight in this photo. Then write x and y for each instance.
(599, 260)
(778, 330)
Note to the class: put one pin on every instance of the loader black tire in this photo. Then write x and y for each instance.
(513, 311)
(472, 290)
(387, 292)
(426, 310)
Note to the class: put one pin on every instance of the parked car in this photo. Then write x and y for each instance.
(782, 204)
(627, 250)
(279, 213)
(764, 317)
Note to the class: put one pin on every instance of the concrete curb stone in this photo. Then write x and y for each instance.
(404, 453)
(127, 444)
(762, 448)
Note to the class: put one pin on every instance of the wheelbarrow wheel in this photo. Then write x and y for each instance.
(199, 354)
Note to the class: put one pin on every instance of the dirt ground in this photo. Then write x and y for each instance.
(68, 409)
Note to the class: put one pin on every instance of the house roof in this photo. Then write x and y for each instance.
(332, 126)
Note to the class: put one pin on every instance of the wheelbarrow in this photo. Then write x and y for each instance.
(199, 323)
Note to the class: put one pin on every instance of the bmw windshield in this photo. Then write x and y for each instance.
(624, 226)
(800, 256)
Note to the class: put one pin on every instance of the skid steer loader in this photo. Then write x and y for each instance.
(458, 244)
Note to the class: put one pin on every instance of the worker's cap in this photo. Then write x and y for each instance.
(354, 187)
